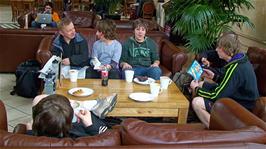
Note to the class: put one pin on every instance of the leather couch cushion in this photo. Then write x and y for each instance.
(260, 109)
(227, 114)
(128, 24)
(81, 18)
(257, 58)
(135, 131)
(109, 138)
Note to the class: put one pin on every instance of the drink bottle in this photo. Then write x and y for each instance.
(104, 75)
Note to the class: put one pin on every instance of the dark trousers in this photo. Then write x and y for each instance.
(79, 130)
(95, 74)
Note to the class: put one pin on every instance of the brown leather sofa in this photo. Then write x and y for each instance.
(20, 45)
(172, 58)
(231, 126)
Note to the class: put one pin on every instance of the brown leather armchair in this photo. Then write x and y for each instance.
(82, 18)
(230, 122)
(257, 58)
(148, 9)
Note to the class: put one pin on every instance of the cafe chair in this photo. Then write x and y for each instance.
(128, 7)
(148, 9)
(17, 8)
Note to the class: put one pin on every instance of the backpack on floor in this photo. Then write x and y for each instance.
(182, 81)
(27, 81)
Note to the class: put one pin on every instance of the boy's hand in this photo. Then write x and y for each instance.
(85, 117)
(207, 74)
(66, 61)
(194, 84)
(126, 66)
(205, 62)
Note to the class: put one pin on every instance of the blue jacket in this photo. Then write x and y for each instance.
(78, 53)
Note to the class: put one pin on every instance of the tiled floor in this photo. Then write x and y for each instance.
(5, 14)
(18, 108)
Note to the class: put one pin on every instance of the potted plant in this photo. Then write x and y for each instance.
(110, 7)
(200, 22)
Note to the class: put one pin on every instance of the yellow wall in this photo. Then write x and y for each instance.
(258, 17)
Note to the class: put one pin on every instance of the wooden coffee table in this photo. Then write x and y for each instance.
(170, 103)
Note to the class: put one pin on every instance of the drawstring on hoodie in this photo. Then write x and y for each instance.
(133, 44)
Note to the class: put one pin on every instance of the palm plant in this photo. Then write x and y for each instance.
(110, 5)
(200, 22)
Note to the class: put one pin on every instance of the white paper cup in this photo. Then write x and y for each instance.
(165, 82)
(129, 74)
(73, 75)
(155, 89)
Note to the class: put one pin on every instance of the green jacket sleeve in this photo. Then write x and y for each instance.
(125, 50)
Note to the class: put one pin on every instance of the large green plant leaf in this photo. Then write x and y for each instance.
(201, 22)
(111, 5)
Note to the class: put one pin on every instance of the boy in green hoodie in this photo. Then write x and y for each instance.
(140, 53)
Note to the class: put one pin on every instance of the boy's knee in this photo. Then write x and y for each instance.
(197, 102)
(156, 73)
(38, 98)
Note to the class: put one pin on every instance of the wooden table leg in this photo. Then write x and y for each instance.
(182, 115)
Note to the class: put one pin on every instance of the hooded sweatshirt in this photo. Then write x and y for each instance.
(139, 54)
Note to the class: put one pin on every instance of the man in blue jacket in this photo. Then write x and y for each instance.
(71, 46)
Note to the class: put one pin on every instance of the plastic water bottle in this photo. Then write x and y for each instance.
(49, 85)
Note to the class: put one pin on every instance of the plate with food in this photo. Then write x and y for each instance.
(144, 80)
(140, 96)
(80, 91)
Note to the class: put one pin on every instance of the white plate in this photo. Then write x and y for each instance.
(85, 91)
(141, 96)
(147, 82)
(87, 104)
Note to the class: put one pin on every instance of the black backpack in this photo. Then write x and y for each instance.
(182, 81)
(27, 81)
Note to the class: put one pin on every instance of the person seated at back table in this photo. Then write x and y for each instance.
(53, 115)
(238, 80)
(140, 53)
(107, 50)
(72, 46)
(48, 9)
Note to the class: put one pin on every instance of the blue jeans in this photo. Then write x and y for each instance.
(153, 72)
(35, 24)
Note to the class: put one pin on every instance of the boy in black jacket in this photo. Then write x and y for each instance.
(238, 80)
